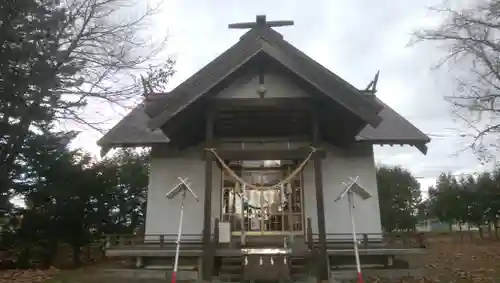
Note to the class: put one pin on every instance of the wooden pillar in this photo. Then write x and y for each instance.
(208, 251)
(320, 204)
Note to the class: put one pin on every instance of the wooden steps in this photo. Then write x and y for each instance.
(300, 267)
(230, 269)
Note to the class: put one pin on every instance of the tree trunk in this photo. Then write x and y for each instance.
(23, 261)
(49, 253)
(77, 261)
(461, 232)
(489, 229)
(497, 237)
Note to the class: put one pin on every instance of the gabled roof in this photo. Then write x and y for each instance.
(256, 41)
(141, 126)
(394, 129)
(132, 131)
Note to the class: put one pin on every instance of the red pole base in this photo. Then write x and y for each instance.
(174, 277)
(360, 278)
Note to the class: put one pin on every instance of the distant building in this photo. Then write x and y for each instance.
(434, 225)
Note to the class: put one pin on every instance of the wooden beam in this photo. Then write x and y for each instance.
(241, 103)
(266, 154)
(208, 252)
(268, 139)
(320, 204)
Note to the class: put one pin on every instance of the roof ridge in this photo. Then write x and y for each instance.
(267, 31)
(195, 78)
(271, 42)
(322, 67)
(260, 31)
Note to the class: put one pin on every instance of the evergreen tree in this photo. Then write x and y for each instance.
(399, 197)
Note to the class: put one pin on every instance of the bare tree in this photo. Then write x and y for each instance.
(57, 56)
(107, 40)
(472, 38)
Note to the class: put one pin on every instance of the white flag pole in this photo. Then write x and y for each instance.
(243, 238)
(350, 199)
(178, 242)
(350, 189)
(181, 187)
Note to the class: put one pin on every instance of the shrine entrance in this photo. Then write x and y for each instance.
(271, 211)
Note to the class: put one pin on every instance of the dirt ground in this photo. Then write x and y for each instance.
(448, 260)
(451, 260)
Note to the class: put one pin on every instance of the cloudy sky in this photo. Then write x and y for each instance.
(354, 39)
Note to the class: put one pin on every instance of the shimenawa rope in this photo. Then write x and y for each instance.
(278, 185)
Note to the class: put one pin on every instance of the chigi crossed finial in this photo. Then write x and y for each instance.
(260, 21)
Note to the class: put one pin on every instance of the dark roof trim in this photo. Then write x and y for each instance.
(421, 146)
(264, 40)
(132, 130)
(319, 73)
(394, 129)
(371, 117)
(315, 71)
(157, 121)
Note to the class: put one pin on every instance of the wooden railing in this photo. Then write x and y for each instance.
(374, 240)
(401, 240)
(407, 239)
(161, 240)
(333, 240)
(152, 240)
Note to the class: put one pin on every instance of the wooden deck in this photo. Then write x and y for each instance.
(147, 251)
(192, 245)
(379, 253)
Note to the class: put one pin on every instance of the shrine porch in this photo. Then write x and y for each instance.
(377, 256)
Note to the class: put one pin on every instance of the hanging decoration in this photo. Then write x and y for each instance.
(264, 188)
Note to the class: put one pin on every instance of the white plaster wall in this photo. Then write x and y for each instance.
(162, 215)
(338, 166)
(277, 86)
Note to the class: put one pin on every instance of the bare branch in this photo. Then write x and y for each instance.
(57, 58)
(106, 41)
(472, 37)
